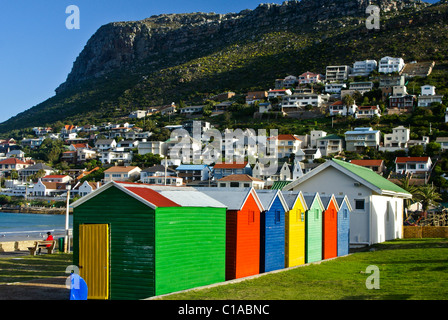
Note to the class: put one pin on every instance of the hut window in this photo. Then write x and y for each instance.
(277, 216)
(251, 216)
(302, 216)
(316, 214)
(345, 213)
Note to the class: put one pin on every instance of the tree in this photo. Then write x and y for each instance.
(405, 183)
(428, 196)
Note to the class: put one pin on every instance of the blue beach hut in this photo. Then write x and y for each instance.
(343, 225)
(272, 230)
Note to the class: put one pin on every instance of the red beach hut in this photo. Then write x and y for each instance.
(329, 227)
(242, 229)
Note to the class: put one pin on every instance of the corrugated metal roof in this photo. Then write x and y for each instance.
(370, 176)
(290, 198)
(278, 185)
(195, 198)
(191, 167)
(266, 197)
(232, 198)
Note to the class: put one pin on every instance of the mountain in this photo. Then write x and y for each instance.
(129, 65)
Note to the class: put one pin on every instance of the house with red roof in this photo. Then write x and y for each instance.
(58, 178)
(406, 165)
(287, 144)
(221, 170)
(367, 112)
(9, 164)
(376, 165)
(339, 107)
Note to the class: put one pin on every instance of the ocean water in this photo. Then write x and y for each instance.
(29, 226)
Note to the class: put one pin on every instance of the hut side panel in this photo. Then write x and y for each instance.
(295, 237)
(231, 241)
(272, 249)
(190, 247)
(131, 226)
(248, 240)
(313, 235)
(330, 233)
(343, 230)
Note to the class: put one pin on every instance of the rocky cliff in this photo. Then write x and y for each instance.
(155, 41)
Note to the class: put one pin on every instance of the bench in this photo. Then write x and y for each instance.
(42, 244)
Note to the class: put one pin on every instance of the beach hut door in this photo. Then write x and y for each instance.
(94, 259)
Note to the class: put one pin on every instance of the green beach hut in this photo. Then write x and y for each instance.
(313, 227)
(134, 241)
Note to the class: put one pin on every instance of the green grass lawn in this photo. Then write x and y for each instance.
(25, 268)
(408, 269)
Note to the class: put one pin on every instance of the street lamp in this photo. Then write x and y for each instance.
(67, 236)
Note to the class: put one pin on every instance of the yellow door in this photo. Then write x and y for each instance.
(94, 259)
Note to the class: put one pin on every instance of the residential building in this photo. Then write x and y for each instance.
(314, 136)
(87, 187)
(342, 109)
(377, 202)
(331, 144)
(377, 166)
(360, 138)
(334, 87)
(138, 114)
(337, 73)
(364, 68)
(407, 165)
(428, 96)
(128, 145)
(192, 110)
(194, 172)
(419, 142)
(221, 170)
(12, 164)
(105, 144)
(312, 154)
(361, 87)
(122, 173)
(397, 140)
(164, 180)
(264, 107)
(167, 110)
(301, 100)
(240, 181)
(287, 144)
(387, 84)
(390, 65)
(287, 82)
(367, 112)
(58, 178)
(48, 189)
(117, 155)
(283, 172)
(198, 125)
(154, 147)
(34, 169)
(405, 102)
(254, 96)
(275, 93)
(184, 149)
(310, 77)
(443, 141)
(157, 170)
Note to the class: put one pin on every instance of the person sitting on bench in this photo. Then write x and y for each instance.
(49, 238)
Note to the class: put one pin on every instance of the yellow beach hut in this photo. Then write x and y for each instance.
(294, 228)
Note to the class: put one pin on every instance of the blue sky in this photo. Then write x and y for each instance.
(37, 51)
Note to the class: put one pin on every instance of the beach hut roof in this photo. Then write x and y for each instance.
(310, 199)
(232, 198)
(341, 199)
(267, 198)
(158, 196)
(291, 198)
(326, 200)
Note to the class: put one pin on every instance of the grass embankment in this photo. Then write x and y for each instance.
(408, 269)
(26, 268)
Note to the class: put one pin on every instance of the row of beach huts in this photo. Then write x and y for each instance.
(135, 241)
